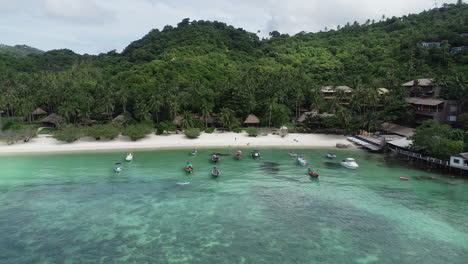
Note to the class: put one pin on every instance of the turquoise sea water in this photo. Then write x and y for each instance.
(73, 208)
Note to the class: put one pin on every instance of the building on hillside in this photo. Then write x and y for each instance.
(444, 111)
(312, 114)
(431, 44)
(330, 93)
(464, 33)
(397, 129)
(457, 49)
(382, 91)
(53, 120)
(252, 121)
(459, 161)
(423, 88)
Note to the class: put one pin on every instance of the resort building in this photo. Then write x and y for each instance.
(382, 91)
(395, 129)
(457, 49)
(423, 88)
(331, 92)
(444, 111)
(431, 44)
(252, 121)
(312, 114)
(464, 33)
(459, 161)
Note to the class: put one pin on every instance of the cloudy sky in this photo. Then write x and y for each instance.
(95, 26)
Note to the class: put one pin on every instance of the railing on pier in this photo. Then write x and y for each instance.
(421, 157)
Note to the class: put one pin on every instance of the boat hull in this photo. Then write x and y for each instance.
(349, 166)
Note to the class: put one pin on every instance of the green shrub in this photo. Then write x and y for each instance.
(137, 131)
(210, 130)
(253, 132)
(192, 132)
(110, 131)
(197, 123)
(237, 130)
(165, 126)
(68, 134)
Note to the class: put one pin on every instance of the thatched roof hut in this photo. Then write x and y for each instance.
(39, 111)
(88, 122)
(119, 118)
(208, 119)
(53, 119)
(252, 120)
(421, 82)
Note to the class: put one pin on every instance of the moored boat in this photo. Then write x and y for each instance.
(302, 160)
(129, 157)
(350, 163)
(183, 183)
(292, 154)
(215, 172)
(312, 172)
(194, 152)
(189, 167)
(215, 158)
(255, 154)
(238, 155)
(404, 179)
(118, 167)
(331, 156)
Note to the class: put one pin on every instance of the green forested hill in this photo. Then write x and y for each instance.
(209, 67)
(18, 50)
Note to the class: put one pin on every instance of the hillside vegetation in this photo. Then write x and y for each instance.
(18, 50)
(208, 67)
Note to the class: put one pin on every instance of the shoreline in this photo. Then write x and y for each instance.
(47, 144)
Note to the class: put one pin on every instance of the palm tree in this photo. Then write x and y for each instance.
(228, 118)
(206, 111)
(187, 120)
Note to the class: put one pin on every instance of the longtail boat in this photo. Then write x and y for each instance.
(312, 172)
(189, 167)
(238, 155)
(215, 158)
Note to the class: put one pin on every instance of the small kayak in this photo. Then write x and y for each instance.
(331, 156)
(404, 179)
(183, 183)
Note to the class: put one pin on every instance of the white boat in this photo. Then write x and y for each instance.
(302, 160)
(292, 154)
(129, 157)
(349, 163)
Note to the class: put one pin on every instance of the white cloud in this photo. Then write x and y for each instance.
(95, 26)
(82, 11)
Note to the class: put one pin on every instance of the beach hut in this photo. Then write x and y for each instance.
(39, 112)
(53, 120)
(119, 119)
(252, 121)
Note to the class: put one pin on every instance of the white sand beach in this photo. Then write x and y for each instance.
(47, 144)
